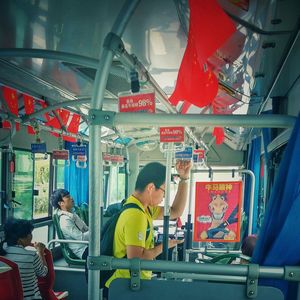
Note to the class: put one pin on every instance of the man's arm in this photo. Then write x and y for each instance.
(150, 254)
(183, 168)
(70, 230)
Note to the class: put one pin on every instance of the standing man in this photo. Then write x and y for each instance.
(71, 225)
(131, 238)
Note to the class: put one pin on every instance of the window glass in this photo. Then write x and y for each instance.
(23, 185)
(59, 174)
(40, 235)
(116, 185)
(41, 187)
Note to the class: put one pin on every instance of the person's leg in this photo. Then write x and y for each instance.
(85, 253)
(105, 293)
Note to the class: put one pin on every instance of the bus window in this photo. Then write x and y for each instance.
(41, 188)
(31, 176)
(23, 184)
(59, 172)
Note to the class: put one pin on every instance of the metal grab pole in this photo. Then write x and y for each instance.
(95, 166)
(189, 220)
(167, 203)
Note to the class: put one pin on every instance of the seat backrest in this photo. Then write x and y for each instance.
(178, 290)
(46, 283)
(10, 281)
(68, 254)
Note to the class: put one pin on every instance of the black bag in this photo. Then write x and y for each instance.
(107, 239)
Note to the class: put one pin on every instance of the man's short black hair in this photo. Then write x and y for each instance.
(151, 173)
(57, 196)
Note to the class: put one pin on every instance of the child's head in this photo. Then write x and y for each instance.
(18, 232)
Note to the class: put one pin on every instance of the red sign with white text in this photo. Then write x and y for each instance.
(218, 211)
(60, 154)
(200, 153)
(138, 102)
(171, 134)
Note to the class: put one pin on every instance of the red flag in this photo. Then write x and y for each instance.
(73, 128)
(209, 28)
(64, 116)
(29, 109)
(11, 99)
(219, 134)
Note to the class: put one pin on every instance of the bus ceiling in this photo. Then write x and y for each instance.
(52, 53)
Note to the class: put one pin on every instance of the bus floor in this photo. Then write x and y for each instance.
(71, 279)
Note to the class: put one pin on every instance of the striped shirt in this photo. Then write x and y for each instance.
(30, 266)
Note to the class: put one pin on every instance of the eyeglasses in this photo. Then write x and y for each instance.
(163, 190)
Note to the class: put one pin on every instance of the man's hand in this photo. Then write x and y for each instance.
(173, 243)
(183, 168)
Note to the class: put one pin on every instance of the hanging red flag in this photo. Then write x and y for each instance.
(53, 122)
(73, 128)
(29, 109)
(11, 99)
(196, 83)
(209, 28)
(219, 134)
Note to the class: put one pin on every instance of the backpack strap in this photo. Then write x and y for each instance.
(133, 205)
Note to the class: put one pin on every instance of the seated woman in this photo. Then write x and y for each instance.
(70, 223)
(18, 235)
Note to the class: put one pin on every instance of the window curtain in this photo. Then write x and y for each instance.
(279, 238)
(77, 179)
(254, 166)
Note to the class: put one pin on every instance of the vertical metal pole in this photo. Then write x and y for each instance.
(189, 220)
(95, 148)
(251, 206)
(134, 159)
(167, 202)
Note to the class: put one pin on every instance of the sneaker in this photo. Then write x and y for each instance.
(61, 295)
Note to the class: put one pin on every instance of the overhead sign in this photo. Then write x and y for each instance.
(171, 134)
(199, 155)
(78, 150)
(218, 211)
(187, 154)
(117, 158)
(137, 102)
(60, 154)
(38, 148)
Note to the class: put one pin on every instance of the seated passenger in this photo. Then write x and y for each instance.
(70, 223)
(247, 248)
(18, 236)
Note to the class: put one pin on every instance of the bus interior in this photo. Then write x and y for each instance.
(91, 91)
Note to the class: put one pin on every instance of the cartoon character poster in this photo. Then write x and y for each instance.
(217, 211)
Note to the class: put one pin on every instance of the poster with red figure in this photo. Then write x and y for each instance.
(218, 211)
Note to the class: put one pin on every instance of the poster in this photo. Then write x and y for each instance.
(218, 211)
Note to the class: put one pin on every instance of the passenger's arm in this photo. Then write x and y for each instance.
(142, 253)
(39, 263)
(183, 168)
(70, 230)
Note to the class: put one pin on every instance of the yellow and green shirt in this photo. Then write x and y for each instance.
(131, 230)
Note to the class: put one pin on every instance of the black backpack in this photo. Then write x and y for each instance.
(107, 239)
